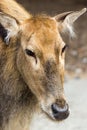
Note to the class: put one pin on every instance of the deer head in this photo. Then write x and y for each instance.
(41, 56)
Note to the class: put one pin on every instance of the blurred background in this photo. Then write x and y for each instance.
(76, 55)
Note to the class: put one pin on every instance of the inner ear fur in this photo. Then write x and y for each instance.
(66, 20)
(8, 27)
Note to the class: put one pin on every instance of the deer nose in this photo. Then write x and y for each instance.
(60, 113)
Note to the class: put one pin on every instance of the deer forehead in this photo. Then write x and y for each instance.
(41, 34)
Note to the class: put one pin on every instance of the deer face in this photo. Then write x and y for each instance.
(43, 64)
(40, 60)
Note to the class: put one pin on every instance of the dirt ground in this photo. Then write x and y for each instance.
(76, 55)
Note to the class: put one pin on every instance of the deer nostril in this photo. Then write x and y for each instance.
(60, 113)
(55, 108)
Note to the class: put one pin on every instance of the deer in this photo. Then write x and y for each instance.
(32, 58)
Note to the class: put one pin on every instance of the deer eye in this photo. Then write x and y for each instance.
(30, 53)
(64, 48)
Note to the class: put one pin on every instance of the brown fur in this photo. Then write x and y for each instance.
(29, 81)
(14, 74)
(12, 8)
(13, 95)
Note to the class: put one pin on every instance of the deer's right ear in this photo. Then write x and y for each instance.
(67, 19)
(8, 27)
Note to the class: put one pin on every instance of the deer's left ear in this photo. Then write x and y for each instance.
(67, 19)
(8, 27)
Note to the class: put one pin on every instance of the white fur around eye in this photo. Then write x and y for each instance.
(35, 65)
